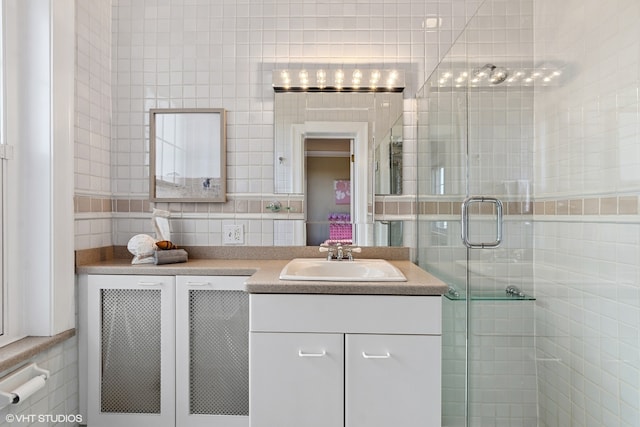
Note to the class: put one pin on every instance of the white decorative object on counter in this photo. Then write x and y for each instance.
(160, 219)
(142, 247)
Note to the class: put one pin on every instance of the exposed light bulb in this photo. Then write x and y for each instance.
(303, 76)
(356, 77)
(321, 78)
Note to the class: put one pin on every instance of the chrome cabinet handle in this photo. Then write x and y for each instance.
(465, 222)
(387, 355)
(303, 354)
(149, 283)
(198, 283)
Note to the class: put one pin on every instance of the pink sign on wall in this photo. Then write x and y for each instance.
(342, 189)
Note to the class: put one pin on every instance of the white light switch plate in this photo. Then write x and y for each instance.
(233, 235)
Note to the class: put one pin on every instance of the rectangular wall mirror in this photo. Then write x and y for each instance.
(187, 155)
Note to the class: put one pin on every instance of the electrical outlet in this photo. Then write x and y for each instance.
(233, 234)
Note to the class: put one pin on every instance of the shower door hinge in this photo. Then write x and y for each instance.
(353, 158)
(6, 151)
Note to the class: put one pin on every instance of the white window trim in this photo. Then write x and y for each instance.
(39, 72)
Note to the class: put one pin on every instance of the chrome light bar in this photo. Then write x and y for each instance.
(338, 80)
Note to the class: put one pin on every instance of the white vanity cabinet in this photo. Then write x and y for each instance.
(212, 351)
(130, 349)
(345, 360)
(165, 350)
(297, 379)
(391, 380)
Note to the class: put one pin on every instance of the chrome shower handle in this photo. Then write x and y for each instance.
(465, 222)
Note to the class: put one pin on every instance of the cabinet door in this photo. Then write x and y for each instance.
(297, 379)
(392, 380)
(212, 351)
(131, 363)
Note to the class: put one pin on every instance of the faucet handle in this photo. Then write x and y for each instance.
(350, 250)
(327, 248)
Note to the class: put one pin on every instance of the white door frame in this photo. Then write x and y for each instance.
(359, 132)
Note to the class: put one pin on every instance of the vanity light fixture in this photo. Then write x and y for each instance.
(338, 80)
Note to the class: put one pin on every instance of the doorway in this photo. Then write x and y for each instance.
(361, 176)
(328, 189)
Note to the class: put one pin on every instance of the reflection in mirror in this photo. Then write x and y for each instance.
(389, 233)
(381, 111)
(187, 150)
(388, 160)
(360, 118)
(327, 171)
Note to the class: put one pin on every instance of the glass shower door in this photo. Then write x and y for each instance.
(475, 233)
(442, 182)
(500, 337)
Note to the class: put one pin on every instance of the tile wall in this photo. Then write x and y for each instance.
(93, 142)
(187, 53)
(587, 228)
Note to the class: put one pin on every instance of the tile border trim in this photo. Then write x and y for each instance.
(606, 205)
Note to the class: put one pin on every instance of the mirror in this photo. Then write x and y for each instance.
(369, 123)
(187, 155)
(380, 111)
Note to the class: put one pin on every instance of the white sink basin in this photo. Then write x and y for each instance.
(359, 270)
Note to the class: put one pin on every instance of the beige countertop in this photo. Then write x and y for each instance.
(262, 266)
(263, 276)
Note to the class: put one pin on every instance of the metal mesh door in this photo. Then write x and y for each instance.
(131, 356)
(219, 352)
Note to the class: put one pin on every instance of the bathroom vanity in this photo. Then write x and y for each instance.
(321, 353)
(353, 354)
(352, 360)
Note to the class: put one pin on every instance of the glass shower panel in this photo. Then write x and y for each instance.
(442, 172)
(475, 140)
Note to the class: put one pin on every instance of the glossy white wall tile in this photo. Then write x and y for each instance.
(587, 126)
(93, 142)
(586, 269)
(587, 284)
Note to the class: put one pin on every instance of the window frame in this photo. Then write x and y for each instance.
(13, 324)
(3, 187)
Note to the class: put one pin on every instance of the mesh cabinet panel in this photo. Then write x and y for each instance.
(131, 356)
(219, 352)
